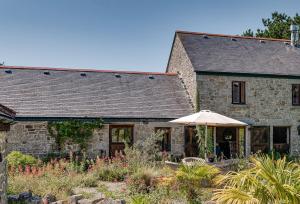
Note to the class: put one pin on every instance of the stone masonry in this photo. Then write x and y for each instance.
(268, 103)
(33, 137)
(180, 63)
(30, 137)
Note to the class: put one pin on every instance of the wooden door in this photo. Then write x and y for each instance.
(118, 136)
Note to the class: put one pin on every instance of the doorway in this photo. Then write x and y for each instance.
(191, 147)
(227, 142)
(260, 139)
(118, 135)
(281, 137)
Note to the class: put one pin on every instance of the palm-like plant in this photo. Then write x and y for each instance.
(189, 178)
(267, 181)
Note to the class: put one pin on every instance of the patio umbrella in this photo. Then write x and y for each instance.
(209, 118)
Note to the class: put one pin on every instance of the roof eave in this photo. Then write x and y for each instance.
(247, 74)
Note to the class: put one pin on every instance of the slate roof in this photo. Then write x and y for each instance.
(48, 92)
(236, 54)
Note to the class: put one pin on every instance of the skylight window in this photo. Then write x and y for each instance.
(83, 74)
(151, 77)
(8, 71)
(47, 73)
(117, 75)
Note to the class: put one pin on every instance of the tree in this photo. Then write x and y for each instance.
(278, 26)
(248, 32)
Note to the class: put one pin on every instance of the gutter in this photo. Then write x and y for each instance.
(216, 73)
(105, 119)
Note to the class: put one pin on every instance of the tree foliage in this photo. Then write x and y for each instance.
(75, 131)
(278, 26)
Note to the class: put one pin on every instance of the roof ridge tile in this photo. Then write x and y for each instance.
(232, 36)
(87, 70)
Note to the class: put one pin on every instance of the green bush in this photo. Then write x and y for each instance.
(110, 170)
(190, 178)
(89, 180)
(143, 180)
(144, 152)
(111, 173)
(16, 158)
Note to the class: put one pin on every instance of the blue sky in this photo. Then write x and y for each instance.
(117, 34)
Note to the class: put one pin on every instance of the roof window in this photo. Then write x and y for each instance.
(233, 39)
(47, 73)
(83, 74)
(151, 77)
(117, 75)
(205, 36)
(8, 71)
(262, 41)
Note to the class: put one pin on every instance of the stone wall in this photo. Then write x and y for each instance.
(30, 137)
(3, 173)
(33, 137)
(181, 64)
(268, 102)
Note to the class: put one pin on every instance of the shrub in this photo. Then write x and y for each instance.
(142, 180)
(190, 177)
(54, 155)
(90, 180)
(267, 181)
(16, 158)
(110, 170)
(144, 152)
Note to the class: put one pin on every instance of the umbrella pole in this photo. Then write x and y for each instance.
(205, 143)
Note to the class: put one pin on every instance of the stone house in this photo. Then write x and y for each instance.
(255, 80)
(6, 117)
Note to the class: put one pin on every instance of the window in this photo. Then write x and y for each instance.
(120, 134)
(166, 141)
(296, 94)
(260, 137)
(238, 92)
(281, 139)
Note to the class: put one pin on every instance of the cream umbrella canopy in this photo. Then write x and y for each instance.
(209, 118)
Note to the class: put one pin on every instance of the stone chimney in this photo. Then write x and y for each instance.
(294, 35)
